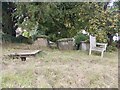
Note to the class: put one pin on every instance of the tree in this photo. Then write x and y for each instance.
(62, 20)
(8, 21)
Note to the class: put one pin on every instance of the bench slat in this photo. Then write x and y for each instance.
(25, 53)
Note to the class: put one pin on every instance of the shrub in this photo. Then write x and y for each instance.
(81, 37)
(20, 39)
(101, 37)
(41, 36)
(112, 47)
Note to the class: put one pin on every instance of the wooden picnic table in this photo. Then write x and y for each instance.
(24, 53)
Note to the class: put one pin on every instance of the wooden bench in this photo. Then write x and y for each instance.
(24, 53)
(94, 46)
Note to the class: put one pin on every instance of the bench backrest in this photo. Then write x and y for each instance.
(92, 41)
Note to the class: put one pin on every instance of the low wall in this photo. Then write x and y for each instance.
(84, 46)
(41, 42)
(65, 44)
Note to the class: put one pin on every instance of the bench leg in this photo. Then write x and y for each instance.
(23, 58)
(90, 52)
(102, 54)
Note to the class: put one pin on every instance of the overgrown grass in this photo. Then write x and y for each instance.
(55, 68)
(20, 80)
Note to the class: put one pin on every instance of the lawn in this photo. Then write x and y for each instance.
(53, 68)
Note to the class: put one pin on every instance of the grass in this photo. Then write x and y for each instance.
(18, 80)
(55, 68)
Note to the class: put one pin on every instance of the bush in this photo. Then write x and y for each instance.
(112, 47)
(101, 37)
(65, 39)
(41, 36)
(81, 37)
(53, 38)
(20, 39)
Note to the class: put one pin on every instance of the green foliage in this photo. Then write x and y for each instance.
(41, 36)
(7, 19)
(65, 39)
(112, 47)
(26, 34)
(51, 18)
(101, 22)
(64, 20)
(80, 37)
(6, 38)
(101, 36)
(117, 5)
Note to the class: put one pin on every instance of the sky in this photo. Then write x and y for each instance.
(111, 2)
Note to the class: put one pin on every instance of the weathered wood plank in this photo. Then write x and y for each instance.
(24, 53)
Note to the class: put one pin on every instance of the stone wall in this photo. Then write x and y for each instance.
(66, 44)
(84, 46)
(41, 42)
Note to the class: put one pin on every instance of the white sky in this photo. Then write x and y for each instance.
(111, 2)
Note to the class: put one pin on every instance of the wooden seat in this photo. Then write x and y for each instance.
(24, 53)
(94, 46)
